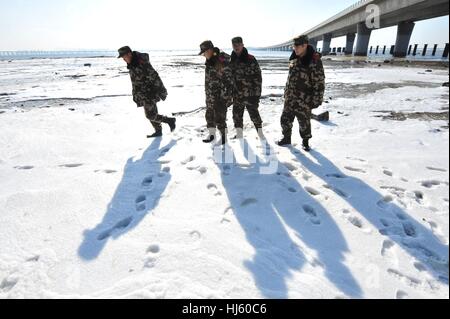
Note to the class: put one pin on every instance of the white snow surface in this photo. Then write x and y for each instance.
(90, 208)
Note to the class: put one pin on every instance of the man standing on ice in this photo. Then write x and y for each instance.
(247, 79)
(304, 91)
(218, 88)
(148, 88)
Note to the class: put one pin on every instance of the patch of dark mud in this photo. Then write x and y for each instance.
(421, 116)
(76, 76)
(57, 102)
(352, 90)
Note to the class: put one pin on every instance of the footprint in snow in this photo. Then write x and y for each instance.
(408, 280)
(106, 171)
(291, 167)
(8, 284)
(354, 169)
(385, 202)
(147, 182)
(226, 169)
(387, 249)
(164, 152)
(71, 165)
(357, 159)
(153, 249)
(388, 173)
(437, 169)
(312, 191)
(24, 167)
(118, 227)
(431, 183)
(214, 189)
(313, 216)
(188, 160)
(338, 176)
(248, 202)
(151, 259)
(141, 203)
(355, 221)
(401, 295)
(166, 170)
(195, 235)
(337, 191)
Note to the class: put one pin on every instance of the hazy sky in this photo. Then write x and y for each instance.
(175, 24)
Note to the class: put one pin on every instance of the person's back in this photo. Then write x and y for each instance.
(218, 84)
(147, 85)
(148, 88)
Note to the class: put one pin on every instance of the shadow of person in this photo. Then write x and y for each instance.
(392, 221)
(138, 193)
(273, 209)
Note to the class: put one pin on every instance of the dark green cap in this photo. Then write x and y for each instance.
(303, 39)
(124, 51)
(237, 40)
(205, 46)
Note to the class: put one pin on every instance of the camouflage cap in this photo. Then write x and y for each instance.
(205, 46)
(303, 39)
(124, 51)
(237, 40)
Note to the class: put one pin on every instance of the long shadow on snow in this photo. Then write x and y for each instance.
(392, 221)
(138, 193)
(265, 206)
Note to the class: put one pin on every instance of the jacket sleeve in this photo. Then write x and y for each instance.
(318, 84)
(258, 79)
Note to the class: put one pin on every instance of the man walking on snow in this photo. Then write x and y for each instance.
(148, 88)
(218, 89)
(247, 79)
(304, 91)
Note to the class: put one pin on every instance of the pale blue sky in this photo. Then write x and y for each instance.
(175, 24)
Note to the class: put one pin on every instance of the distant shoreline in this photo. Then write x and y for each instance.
(10, 56)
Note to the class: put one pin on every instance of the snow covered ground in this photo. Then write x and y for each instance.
(89, 208)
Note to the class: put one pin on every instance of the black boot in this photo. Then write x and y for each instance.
(306, 146)
(172, 123)
(158, 133)
(223, 137)
(210, 139)
(284, 142)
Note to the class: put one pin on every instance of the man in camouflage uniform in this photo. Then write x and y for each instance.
(247, 79)
(148, 89)
(218, 88)
(304, 91)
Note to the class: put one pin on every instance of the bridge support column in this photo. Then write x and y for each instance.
(326, 44)
(350, 43)
(404, 33)
(362, 44)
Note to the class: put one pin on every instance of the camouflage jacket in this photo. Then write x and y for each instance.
(306, 81)
(247, 75)
(219, 79)
(147, 85)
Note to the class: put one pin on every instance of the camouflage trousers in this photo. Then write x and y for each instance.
(252, 105)
(216, 115)
(151, 112)
(302, 113)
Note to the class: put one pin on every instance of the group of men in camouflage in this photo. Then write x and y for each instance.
(236, 80)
